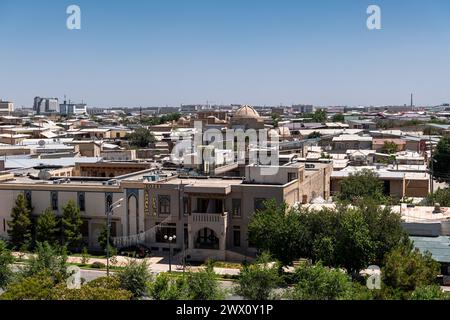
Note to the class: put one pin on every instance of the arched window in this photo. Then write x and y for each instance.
(28, 198)
(207, 239)
(81, 201)
(54, 200)
(164, 204)
(108, 202)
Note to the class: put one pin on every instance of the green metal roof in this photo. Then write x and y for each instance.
(439, 247)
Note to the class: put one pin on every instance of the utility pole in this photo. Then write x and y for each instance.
(109, 213)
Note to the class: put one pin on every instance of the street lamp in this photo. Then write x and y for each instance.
(109, 213)
(172, 238)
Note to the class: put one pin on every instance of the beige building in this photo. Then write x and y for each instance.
(208, 215)
(396, 184)
(6, 107)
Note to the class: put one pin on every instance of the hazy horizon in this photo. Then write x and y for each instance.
(257, 52)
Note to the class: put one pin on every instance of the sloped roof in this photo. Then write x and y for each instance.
(439, 247)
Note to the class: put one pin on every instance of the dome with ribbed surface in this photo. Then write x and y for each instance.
(247, 112)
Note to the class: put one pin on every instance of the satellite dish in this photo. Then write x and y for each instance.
(44, 175)
(41, 143)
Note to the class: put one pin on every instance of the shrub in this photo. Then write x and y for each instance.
(134, 278)
(112, 282)
(432, 292)
(51, 259)
(320, 283)
(257, 281)
(6, 259)
(165, 287)
(98, 265)
(84, 256)
(203, 285)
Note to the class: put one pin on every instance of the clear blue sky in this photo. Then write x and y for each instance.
(168, 52)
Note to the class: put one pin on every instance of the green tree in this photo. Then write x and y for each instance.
(362, 184)
(441, 167)
(140, 138)
(203, 285)
(167, 287)
(37, 287)
(89, 293)
(102, 239)
(84, 256)
(385, 227)
(71, 225)
(275, 119)
(47, 259)
(278, 231)
(389, 147)
(441, 196)
(257, 281)
(175, 116)
(43, 286)
(47, 227)
(407, 269)
(319, 116)
(317, 282)
(349, 237)
(322, 227)
(20, 225)
(354, 248)
(134, 277)
(338, 117)
(6, 259)
(431, 292)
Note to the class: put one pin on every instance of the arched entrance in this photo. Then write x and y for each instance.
(206, 239)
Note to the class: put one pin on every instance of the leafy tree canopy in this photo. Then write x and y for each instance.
(140, 138)
(441, 167)
(20, 225)
(362, 184)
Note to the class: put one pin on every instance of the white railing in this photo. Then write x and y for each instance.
(208, 217)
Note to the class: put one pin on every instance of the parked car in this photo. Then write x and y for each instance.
(138, 251)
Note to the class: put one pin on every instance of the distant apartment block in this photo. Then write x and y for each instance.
(303, 108)
(73, 108)
(6, 107)
(45, 105)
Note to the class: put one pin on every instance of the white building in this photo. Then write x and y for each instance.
(6, 107)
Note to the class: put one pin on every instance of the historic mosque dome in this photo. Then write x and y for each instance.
(247, 112)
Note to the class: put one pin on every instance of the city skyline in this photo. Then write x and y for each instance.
(260, 53)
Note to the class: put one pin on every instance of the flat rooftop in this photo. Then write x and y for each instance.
(422, 214)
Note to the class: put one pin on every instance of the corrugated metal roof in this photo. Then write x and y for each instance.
(439, 247)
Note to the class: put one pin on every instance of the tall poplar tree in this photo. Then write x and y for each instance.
(71, 225)
(20, 225)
